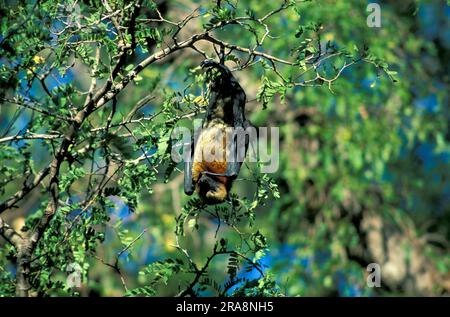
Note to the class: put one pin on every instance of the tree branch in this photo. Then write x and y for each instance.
(9, 234)
(28, 187)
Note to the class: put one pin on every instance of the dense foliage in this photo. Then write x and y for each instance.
(91, 92)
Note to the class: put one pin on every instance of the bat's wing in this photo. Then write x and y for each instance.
(188, 182)
(237, 153)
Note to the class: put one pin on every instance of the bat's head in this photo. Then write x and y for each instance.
(211, 190)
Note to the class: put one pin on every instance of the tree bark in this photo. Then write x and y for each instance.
(23, 286)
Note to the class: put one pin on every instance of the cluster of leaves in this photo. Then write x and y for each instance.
(155, 273)
(357, 151)
(117, 154)
(6, 278)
